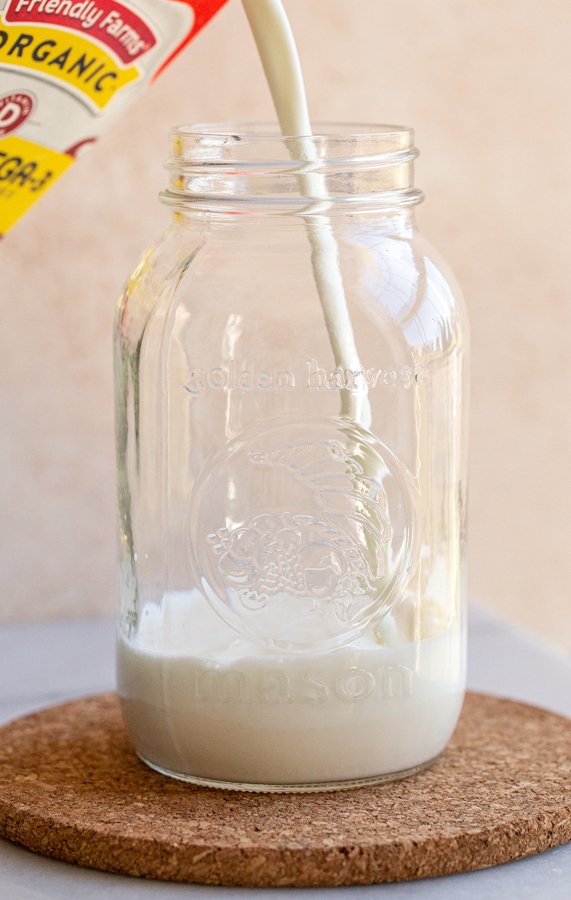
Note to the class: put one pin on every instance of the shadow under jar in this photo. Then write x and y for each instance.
(291, 424)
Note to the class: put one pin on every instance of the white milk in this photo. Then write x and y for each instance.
(278, 53)
(199, 700)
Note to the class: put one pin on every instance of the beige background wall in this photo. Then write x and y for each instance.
(488, 87)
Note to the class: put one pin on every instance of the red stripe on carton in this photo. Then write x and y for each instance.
(203, 11)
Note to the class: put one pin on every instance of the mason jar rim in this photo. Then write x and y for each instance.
(251, 167)
(252, 130)
(261, 143)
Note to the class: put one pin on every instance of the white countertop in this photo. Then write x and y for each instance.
(42, 664)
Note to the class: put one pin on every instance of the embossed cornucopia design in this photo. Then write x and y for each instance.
(324, 550)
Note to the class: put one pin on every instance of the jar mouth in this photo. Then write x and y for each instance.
(250, 128)
(339, 163)
(330, 132)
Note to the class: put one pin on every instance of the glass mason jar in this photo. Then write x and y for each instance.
(291, 422)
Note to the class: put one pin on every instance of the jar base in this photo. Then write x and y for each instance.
(311, 788)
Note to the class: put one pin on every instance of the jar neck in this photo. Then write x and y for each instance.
(250, 170)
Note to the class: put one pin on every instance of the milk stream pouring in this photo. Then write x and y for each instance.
(291, 460)
(67, 70)
(282, 67)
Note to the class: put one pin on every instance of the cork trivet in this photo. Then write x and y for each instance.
(72, 788)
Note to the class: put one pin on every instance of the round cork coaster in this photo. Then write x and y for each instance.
(72, 788)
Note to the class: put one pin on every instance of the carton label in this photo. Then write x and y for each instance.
(75, 60)
(110, 22)
(65, 67)
(27, 170)
(14, 110)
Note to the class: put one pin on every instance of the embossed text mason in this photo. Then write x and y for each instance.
(291, 424)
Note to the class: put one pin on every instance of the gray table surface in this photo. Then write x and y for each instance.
(46, 663)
